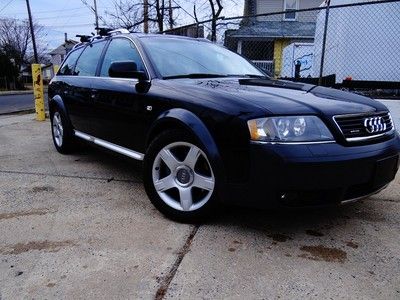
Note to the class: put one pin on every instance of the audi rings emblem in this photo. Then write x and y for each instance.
(375, 124)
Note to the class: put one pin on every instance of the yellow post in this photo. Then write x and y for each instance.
(278, 48)
(56, 68)
(38, 92)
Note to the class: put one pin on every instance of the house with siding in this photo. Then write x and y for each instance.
(263, 38)
(58, 54)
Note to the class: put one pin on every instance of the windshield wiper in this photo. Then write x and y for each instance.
(195, 75)
(248, 75)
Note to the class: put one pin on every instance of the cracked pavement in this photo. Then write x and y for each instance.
(81, 226)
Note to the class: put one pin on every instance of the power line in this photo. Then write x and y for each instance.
(57, 17)
(5, 6)
(74, 25)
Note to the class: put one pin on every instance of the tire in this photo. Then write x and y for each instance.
(62, 132)
(179, 178)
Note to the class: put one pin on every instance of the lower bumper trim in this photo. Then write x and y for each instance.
(348, 201)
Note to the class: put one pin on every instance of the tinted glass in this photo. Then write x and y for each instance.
(68, 66)
(174, 56)
(87, 62)
(121, 50)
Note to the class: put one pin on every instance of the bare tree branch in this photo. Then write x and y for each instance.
(15, 40)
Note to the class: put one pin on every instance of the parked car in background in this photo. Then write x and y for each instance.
(210, 127)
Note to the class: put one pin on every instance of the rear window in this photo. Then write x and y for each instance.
(67, 67)
(88, 61)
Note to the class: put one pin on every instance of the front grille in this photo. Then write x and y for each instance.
(364, 127)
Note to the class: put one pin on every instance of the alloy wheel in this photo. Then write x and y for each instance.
(183, 177)
(58, 130)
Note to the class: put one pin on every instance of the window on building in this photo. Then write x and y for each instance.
(290, 7)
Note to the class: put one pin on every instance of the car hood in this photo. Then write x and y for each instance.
(275, 96)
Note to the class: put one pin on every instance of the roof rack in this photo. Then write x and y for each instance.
(110, 31)
(84, 38)
(102, 33)
(119, 31)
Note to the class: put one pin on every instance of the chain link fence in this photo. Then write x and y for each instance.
(337, 43)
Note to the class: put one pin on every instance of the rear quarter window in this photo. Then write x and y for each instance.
(67, 68)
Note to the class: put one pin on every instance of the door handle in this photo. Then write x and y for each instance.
(93, 93)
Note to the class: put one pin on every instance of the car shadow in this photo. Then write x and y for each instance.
(109, 160)
(285, 223)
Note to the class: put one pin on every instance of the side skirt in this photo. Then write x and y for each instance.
(110, 146)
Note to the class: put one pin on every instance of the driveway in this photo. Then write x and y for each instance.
(81, 226)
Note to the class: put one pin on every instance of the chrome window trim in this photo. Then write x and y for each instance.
(138, 50)
(114, 37)
(110, 146)
(365, 138)
(98, 77)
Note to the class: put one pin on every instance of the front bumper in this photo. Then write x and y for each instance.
(315, 174)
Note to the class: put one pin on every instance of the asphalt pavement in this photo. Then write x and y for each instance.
(80, 226)
(18, 102)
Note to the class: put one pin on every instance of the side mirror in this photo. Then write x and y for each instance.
(125, 69)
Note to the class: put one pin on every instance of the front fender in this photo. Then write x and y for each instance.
(195, 125)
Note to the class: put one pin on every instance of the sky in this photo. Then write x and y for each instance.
(74, 17)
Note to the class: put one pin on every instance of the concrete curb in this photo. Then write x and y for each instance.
(18, 112)
(10, 93)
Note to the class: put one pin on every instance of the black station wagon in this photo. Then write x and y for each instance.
(211, 127)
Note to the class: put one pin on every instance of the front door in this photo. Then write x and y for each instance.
(78, 94)
(120, 110)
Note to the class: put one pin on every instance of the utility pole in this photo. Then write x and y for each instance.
(96, 16)
(32, 32)
(146, 16)
(171, 15)
(321, 68)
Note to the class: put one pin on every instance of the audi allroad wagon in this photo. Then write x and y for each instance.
(211, 127)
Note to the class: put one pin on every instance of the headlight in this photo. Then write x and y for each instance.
(289, 129)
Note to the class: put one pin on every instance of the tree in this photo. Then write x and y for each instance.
(216, 9)
(213, 12)
(15, 41)
(126, 14)
(132, 14)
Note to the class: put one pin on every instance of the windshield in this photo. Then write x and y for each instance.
(176, 57)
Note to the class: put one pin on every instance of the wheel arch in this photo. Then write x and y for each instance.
(57, 102)
(179, 118)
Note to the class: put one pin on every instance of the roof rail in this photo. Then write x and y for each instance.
(118, 31)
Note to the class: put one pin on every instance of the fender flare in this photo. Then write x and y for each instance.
(58, 101)
(195, 125)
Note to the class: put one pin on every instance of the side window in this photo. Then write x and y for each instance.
(87, 62)
(121, 49)
(67, 67)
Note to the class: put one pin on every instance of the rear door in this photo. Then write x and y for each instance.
(78, 95)
(120, 110)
